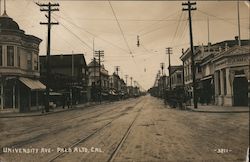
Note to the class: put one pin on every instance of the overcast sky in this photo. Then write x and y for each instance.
(156, 23)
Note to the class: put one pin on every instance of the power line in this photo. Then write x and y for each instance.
(120, 28)
(177, 27)
(154, 24)
(94, 35)
(223, 19)
(75, 35)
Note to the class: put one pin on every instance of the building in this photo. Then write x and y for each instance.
(188, 80)
(176, 76)
(94, 80)
(205, 68)
(19, 67)
(68, 77)
(231, 76)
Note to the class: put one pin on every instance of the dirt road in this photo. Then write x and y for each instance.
(138, 130)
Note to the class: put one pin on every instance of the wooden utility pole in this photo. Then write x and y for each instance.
(100, 55)
(238, 11)
(126, 77)
(189, 9)
(169, 52)
(117, 69)
(49, 9)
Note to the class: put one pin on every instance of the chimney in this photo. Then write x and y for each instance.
(182, 50)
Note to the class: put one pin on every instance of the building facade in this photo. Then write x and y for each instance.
(176, 76)
(68, 76)
(213, 85)
(94, 80)
(231, 76)
(19, 67)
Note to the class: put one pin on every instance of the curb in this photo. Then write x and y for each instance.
(204, 111)
(48, 113)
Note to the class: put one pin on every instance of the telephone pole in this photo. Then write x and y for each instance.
(126, 77)
(189, 9)
(162, 68)
(49, 8)
(100, 55)
(117, 69)
(131, 80)
(169, 52)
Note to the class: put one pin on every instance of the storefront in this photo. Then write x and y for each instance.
(231, 76)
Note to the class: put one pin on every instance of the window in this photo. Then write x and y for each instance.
(10, 55)
(18, 56)
(224, 82)
(1, 55)
(35, 63)
(219, 86)
(29, 62)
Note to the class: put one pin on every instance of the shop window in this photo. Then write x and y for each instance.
(10, 55)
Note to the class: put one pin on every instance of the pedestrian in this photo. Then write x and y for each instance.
(68, 102)
(63, 101)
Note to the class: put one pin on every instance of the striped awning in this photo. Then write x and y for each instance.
(34, 85)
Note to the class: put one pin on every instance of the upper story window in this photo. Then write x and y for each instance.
(10, 55)
(35, 62)
(18, 56)
(1, 55)
(29, 62)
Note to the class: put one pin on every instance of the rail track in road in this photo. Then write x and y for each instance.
(118, 147)
(54, 124)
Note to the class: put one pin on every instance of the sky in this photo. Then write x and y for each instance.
(113, 26)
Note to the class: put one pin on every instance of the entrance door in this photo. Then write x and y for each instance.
(240, 88)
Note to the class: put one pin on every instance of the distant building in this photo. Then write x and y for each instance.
(69, 76)
(176, 76)
(19, 67)
(94, 80)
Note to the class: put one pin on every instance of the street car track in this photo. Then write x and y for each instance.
(116, 150)
(125, 136)
(40, 136)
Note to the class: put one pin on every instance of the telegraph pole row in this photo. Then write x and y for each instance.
(126, 77)
(117, 69)
(189, 9)
(169, 51)
(100, 55)
(49, 9)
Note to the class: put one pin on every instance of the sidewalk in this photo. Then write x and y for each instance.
(219, 109)
(9, 113)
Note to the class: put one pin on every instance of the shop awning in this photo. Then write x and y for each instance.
(207, 77)
(34, 85)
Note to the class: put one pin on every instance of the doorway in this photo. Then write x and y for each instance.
(240, 88)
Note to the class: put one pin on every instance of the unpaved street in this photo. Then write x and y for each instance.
(138, 130)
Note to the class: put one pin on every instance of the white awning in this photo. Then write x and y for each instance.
(34, 85)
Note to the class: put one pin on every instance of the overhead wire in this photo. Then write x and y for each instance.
(220, 18)
(94, 35)
(175, 33)
(118, 23)
(154, 24)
